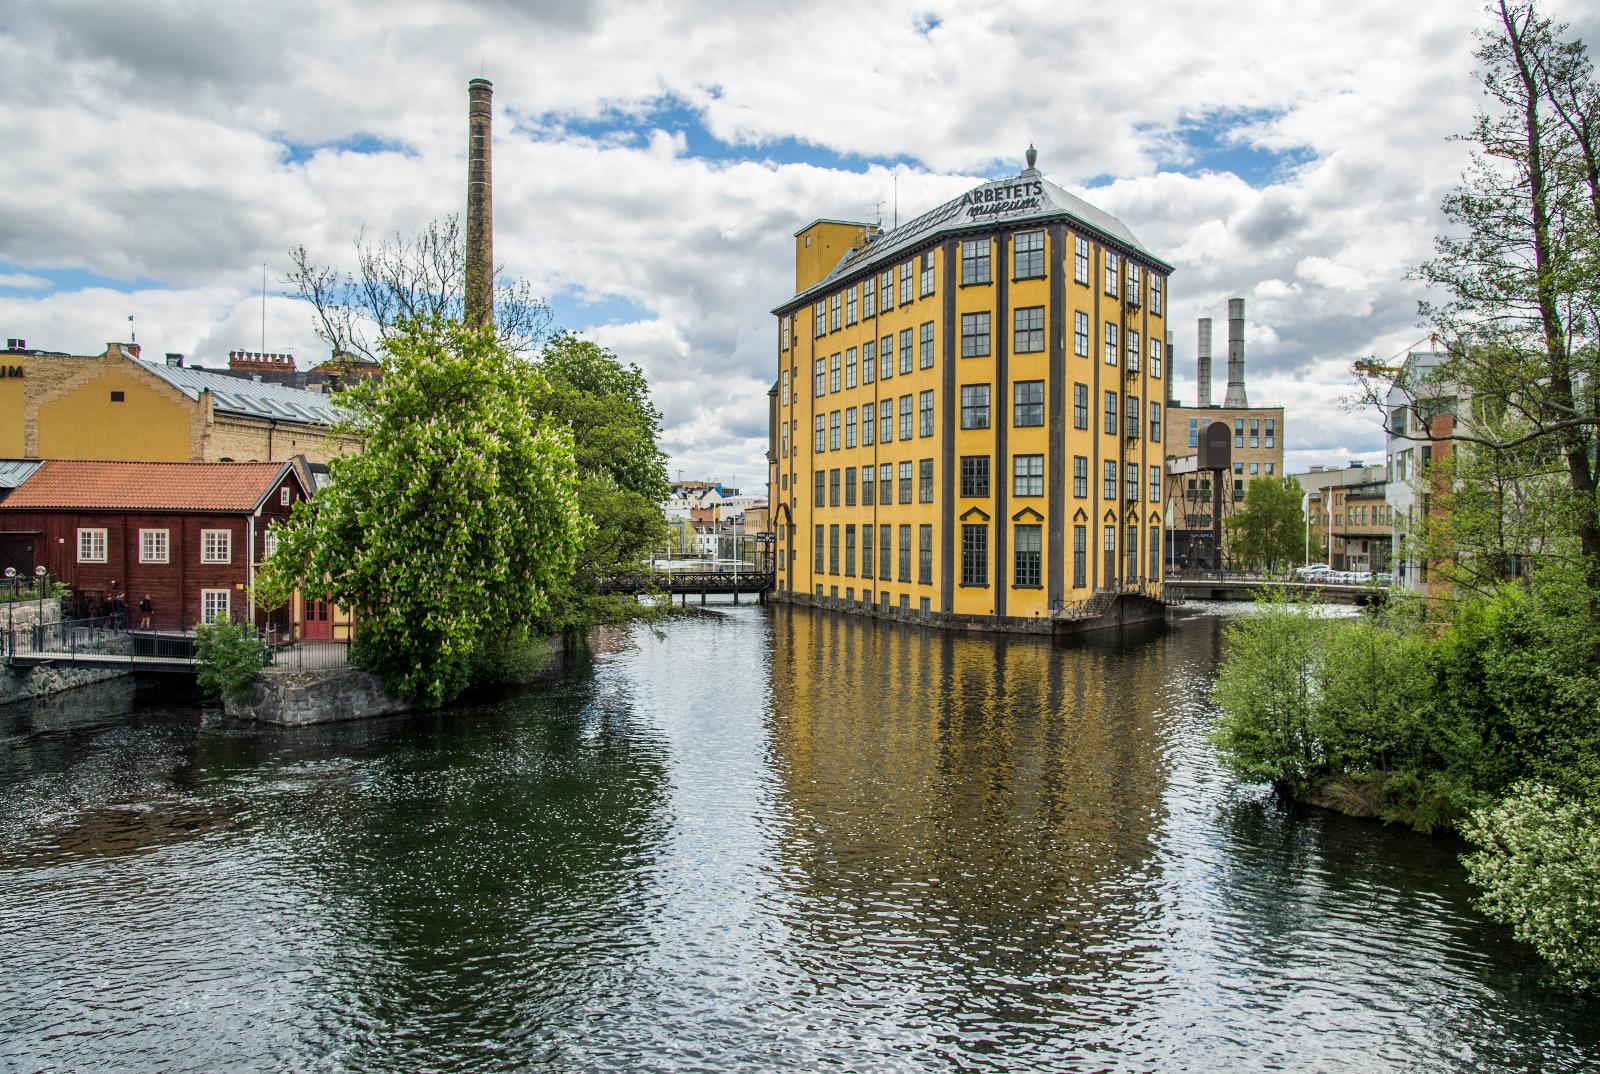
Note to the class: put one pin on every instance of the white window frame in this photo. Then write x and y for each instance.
(92, 544)
(207, 541)
(149, 539)
(211, 605)
(285, 496)
(269, 539)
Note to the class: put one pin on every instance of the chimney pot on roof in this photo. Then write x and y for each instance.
(175, 359)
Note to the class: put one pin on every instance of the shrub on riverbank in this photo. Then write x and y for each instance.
(1538, 863)
(1488, 722)
(229, 656)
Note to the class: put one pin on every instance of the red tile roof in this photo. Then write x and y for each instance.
(146, 486)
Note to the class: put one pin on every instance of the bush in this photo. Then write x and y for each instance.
(229, 657)
(1266, 689)
(1538, 863)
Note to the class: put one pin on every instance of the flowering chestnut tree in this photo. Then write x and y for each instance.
(450, 529)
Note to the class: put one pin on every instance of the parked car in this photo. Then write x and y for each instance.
(1313, 571)
(1385, 577)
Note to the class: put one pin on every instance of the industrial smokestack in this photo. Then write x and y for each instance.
(480, 204)
(1236, 396)
(1202, 361)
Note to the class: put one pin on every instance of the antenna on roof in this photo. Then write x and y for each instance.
(897, 197)
(133, 337)
(877, 208)
(263, 307)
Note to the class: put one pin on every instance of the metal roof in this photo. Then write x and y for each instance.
(14, 472)
(1020, 199)
(250, 398)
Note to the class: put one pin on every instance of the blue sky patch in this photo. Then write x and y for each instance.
(1210, 143)
(77, 279)
(676, 116)
(360, 142)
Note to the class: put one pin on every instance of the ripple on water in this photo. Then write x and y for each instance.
(762, 840)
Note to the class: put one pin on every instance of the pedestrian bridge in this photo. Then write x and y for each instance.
(684, 584)
(90, 643)
(1227, 585)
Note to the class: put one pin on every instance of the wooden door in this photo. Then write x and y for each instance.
(316, 624)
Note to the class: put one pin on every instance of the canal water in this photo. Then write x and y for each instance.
(754, 840)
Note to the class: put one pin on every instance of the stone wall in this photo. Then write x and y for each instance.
(297, 698)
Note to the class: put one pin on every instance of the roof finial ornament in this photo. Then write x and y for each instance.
(1032, 156)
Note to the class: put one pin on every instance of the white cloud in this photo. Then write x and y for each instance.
(175, 144)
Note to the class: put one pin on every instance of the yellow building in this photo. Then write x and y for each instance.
(113, 406)
(968, 411)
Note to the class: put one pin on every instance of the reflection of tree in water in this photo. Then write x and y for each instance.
(970, 822)
(475, 866)
(417, 888)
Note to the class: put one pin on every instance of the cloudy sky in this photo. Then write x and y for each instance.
(652, 161)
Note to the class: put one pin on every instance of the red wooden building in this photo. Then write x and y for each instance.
(189, 535)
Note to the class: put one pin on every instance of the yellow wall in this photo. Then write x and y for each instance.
(11, 423)
(819, 246)
(62, 408)
(800, 410)
(150, 424)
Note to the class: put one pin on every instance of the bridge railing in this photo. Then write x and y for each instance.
(68, 638)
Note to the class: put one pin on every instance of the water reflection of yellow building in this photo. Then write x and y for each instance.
(1016, 786)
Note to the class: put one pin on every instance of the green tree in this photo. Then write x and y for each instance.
(1269, 531)
(622, 473)
(448, 533)
(1519, 276)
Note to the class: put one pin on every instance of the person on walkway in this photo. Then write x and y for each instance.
(119, 612)
(144, 613)
(105, 610)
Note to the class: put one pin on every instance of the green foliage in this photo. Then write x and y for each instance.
(622, 474)
(1266, 690)
(230, 657)
(1269, 531)
(456, 522)
(1434, 720)
(1537, 859)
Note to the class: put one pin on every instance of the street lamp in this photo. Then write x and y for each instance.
(11, 599)
(38, 623)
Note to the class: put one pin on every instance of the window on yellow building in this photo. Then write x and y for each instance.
(974, 554)
(975, 406)
(975, 261)
(1027, 568)
(1027, 335)
(1029, 247)
(974, 335)
(1027, 475)
(975, 476)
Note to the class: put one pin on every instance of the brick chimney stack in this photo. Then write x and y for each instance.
(480, 204)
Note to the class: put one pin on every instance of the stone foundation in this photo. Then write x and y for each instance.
(23, 684)
(1122, 610)
(299, 698)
